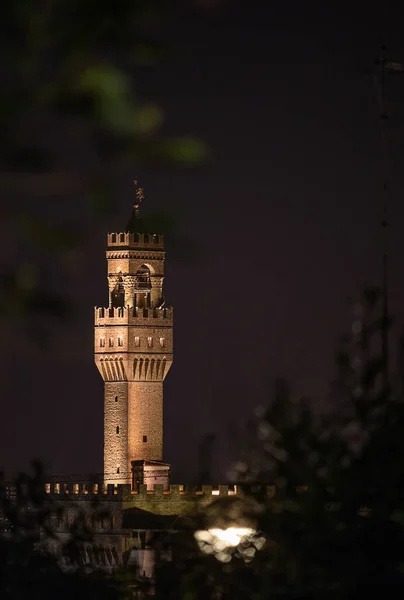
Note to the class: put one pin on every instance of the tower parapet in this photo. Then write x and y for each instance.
(143, 317)
(128, 239)
(157, 498)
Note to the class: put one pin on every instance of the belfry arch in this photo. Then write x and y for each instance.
(142, 287)
(118, 294)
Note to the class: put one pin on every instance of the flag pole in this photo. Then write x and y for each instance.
(384, 66)
(384, 223)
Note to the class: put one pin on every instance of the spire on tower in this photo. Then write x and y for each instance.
(139, 193)
(135, 223)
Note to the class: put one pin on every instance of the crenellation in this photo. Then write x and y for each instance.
(162, 317)
(141, 490)
(119, 491)
(128, 239)
(223, 490)
(158, 489)
(88, 491)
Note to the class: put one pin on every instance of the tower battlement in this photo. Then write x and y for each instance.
(124, 492)
(147, 317)
(151, 241)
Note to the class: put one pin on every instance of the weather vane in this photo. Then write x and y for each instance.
(139, 193)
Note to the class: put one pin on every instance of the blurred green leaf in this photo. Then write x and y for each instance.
(147, 119)
(187, 150)
(109, 88)
(27, 276)
(145, 55)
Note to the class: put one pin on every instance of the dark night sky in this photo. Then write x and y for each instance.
(285, 216)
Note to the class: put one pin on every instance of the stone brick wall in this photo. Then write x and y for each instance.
(145, 418)
(116, 444)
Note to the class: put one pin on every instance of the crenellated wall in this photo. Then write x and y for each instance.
(145, 317)
(177, 499)
(135, 240)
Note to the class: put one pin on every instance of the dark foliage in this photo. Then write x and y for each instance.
(334, 526)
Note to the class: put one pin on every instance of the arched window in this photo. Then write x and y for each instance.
(118, 295)
(113, 238)
(142, 287)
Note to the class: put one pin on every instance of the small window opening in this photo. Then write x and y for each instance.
(149, 341)
(116, 398)
(137, 341)
(120, 341)
(102, 342)
(113, 238)
(145, 438)
(122, 237)
(117, 428)
(111, 342)
(162, 342)
(117, 470)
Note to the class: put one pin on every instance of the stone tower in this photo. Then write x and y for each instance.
(133, 352)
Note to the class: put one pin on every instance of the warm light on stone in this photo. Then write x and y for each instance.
(129, 355)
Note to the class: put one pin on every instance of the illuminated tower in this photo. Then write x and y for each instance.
(133, 352)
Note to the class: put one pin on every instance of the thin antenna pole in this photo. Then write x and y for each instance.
(384, 223)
